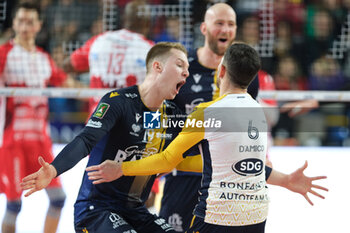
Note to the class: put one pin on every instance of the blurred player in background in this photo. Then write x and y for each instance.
(116, 59)
(25, 130)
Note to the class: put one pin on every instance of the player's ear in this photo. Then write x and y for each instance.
(221, 71)
(203, 28)
(157, 66)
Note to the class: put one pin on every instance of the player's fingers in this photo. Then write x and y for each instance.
(308, 199)
(316, 194)
(27, 186)
(42, 162)
(30, 182)
(92, 168)
(30, 177)
(320, 187)
(30, 192)
(304, 166)
(96, 177)
(318, 178)
(94, 173)
(100, 181)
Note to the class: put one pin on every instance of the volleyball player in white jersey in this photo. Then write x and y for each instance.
(115, 59)
(233, 195)
(24, 127)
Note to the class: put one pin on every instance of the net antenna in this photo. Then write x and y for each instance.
(342, 43)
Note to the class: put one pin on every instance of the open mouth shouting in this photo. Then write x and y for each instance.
(179, 85)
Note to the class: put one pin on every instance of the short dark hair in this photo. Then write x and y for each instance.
(161, 49)
(28, 5)
(242, 64)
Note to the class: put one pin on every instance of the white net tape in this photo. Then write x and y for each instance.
(327, 96)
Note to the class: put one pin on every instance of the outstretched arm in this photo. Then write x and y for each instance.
(158, 163)
(297, 182)
(299, 107)
(40, 179)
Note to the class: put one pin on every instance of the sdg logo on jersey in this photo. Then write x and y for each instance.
(151, 120)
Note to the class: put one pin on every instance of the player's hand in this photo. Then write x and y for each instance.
(299, 183)
(40, 179)
(105, 172)
(299, 107)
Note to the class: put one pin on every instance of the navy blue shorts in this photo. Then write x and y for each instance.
(102, 221)
(180, 196)
(199, 226)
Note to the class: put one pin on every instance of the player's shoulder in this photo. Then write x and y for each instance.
(171, 106)
(122, 94)
(7, 46)
(192, 56)
(129, 37)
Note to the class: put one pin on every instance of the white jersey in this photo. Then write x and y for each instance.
(26, 117)
(234, 191)
(116, 59)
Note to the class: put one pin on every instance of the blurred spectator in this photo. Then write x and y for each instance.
(244, 8)
(288, 75)
(326, 75)
(171, 31)
(285, 44)
(249, 32)
(319, 43)
(292, 11)
(67, 19)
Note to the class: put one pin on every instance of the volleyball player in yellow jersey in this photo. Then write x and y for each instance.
(232, 132)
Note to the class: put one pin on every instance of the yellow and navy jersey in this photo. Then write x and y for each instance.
(233, 134)
(120, 129)
(201, 86)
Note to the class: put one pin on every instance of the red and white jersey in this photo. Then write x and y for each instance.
(26, 117)
(115, 59)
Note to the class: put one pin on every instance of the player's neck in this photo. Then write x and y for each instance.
(226, 89)
(149, 96)
(28, 45)
(208, 58)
